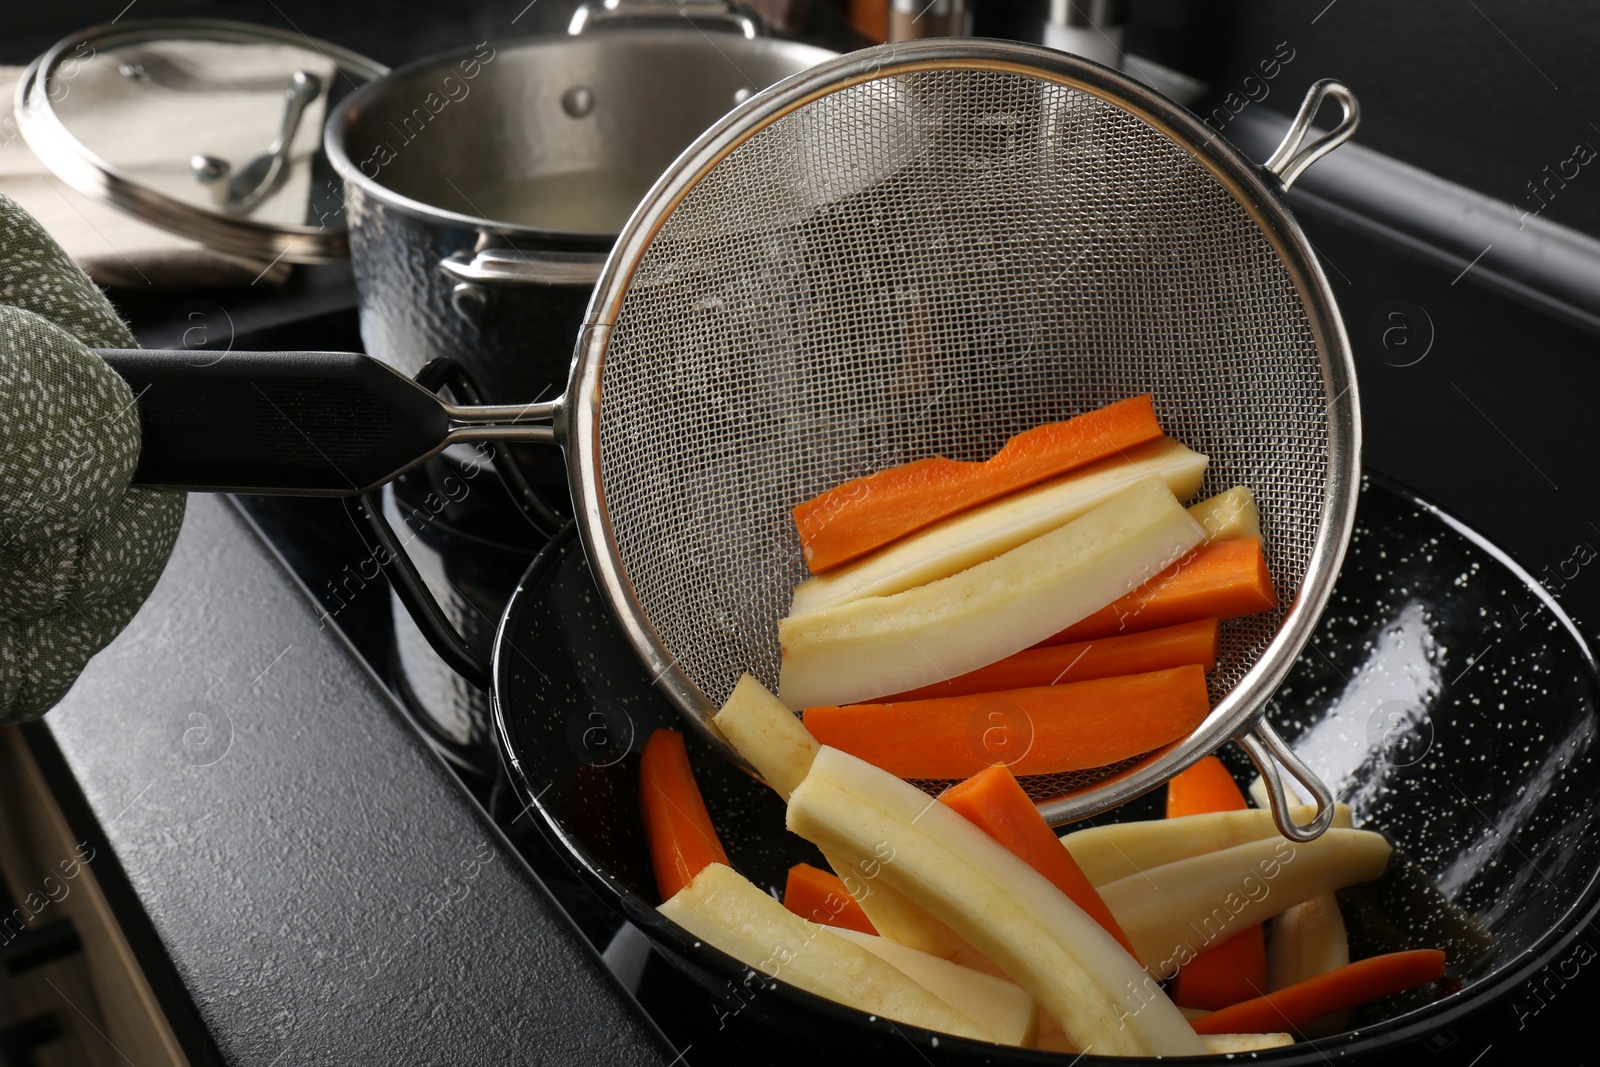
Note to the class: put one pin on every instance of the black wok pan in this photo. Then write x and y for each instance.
(1445, 696)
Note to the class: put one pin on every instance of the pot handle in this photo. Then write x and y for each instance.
(1292, 156)
(702, 14)
(500, 266)
(1266, 750)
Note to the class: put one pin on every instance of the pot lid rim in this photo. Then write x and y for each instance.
(88, 173)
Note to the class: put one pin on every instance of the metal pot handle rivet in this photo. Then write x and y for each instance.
(578, 101)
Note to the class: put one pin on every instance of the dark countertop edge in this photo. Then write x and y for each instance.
(155, 961)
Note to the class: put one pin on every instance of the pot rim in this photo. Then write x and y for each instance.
(340, 122)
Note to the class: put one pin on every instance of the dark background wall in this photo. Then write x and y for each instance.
(1483, 92)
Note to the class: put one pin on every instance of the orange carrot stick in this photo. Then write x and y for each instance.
(1203, 788)
(860, 515)
(1343, 987)
(682, 840)
(1223, 581)
(1231, 972)
(1236, 969)
(1106, 657)
(1041, 730)
(993, 802)
(819, 895)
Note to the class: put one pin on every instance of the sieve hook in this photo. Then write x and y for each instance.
(1267, 750)
(1293, 156)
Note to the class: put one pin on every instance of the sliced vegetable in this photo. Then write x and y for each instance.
(1174, 912)
(995, 803)
(1045, 943)
(895, 917)
(677, 825)
(821, 897)
(984, 532)
(1232, 1044)
(1236, 969)
(1228, 973)
(996, 1004)
(1043, 730)
(1307, 940)
(1118, 850)
(723, 909)
(867, 648)
(1220, 581)
(1205, 787)
(772, 739)
(1228, 516)
(863, 514)
(1053, 1040)
(1349, 986)
(1216, 1044)
(1157, 650)
(769, 736)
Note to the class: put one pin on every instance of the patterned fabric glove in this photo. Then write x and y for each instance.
(79, 549)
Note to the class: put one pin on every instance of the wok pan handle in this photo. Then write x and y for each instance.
(1292, 157)
(366, 513)
(1266, 750)
(388, 550)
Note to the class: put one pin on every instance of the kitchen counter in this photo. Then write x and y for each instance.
(311, 884)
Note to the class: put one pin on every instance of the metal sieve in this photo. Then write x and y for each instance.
(923, 249)
(917, 249)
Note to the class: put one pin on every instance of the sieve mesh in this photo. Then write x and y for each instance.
(925, 263)
(1039, 786)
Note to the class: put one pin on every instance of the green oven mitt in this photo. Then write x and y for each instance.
(79, 549)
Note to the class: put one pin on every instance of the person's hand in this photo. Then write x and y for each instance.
(79, 549)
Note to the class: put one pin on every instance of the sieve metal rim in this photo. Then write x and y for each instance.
(1258, 190)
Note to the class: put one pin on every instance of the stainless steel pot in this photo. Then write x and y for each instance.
(485, 187)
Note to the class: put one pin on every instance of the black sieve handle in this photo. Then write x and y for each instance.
(302, 423)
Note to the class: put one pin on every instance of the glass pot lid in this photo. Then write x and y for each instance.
(205, 128)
